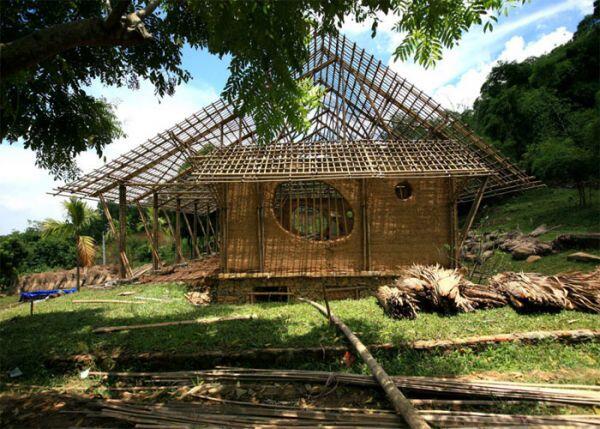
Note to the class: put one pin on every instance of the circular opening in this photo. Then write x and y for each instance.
(403, 191)
(313, 210)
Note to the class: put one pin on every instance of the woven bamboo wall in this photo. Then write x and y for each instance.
(401, 232)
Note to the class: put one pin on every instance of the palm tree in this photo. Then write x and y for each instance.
(79, 217)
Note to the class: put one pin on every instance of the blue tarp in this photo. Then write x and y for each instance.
(42, 294)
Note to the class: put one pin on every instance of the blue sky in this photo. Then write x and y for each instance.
(529, 30)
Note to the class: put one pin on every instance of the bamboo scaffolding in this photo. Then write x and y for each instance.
(364, 100)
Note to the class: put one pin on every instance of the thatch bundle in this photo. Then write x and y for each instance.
(536, 292)
(583, 289)
(431, 288)
(436, 288)
(397, 303)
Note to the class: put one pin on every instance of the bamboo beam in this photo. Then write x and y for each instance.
(401, 404)
(472, 212)
(122, 255)
(149, 237)
(123, 229)
(155, 228)
(178, 230)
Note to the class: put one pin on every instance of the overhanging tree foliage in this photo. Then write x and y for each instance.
(51, 51)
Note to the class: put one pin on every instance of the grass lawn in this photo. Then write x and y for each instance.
(60, 327)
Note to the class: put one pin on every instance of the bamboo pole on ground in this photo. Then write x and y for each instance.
(401, 404)
(206, 321)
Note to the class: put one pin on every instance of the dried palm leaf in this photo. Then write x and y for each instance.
(397, 303)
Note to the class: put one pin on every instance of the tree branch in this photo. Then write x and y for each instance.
(152, 5)
(119, 29)
(115, 13)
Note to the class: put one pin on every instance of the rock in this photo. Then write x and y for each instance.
(583, 257)
(471, 257)
(542, 229)
(533, 258)
(577, 241)
(522, 251)
(486, 255)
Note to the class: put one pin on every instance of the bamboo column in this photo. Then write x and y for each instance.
(191, 233)
(172, 230)
(155, 260)
(366, 248)
(223, 221)
(454, 247)
(122, 256)
(195, 229)
(260, 215)
(122, 229)
(149, 236)
(178, 254)
(209, 229)
(473, 212)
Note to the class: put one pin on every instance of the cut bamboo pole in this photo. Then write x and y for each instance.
(105, 301)
(399, 401)
(207, 321)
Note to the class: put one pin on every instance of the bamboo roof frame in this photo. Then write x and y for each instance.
(364, 101)
(359, 159)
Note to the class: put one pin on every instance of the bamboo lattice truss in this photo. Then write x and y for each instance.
(365, 102)
(337, 160)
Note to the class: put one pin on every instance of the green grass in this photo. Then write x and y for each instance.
(60, 327)
(556, 208)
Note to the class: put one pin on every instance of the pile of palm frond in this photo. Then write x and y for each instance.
(397, 303)
(430, 288)
(536, 292)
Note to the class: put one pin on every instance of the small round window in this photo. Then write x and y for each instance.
(403, 190)
(313, 210)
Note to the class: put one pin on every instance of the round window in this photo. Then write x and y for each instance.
(313, 210)
(403, 190)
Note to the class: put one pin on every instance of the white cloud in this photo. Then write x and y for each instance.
(475, 51)
(24, 187)
(463, 93)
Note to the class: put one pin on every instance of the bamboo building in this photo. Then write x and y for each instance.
(372, 186)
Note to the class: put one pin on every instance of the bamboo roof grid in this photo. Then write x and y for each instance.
(364, 101)
(337, 160)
